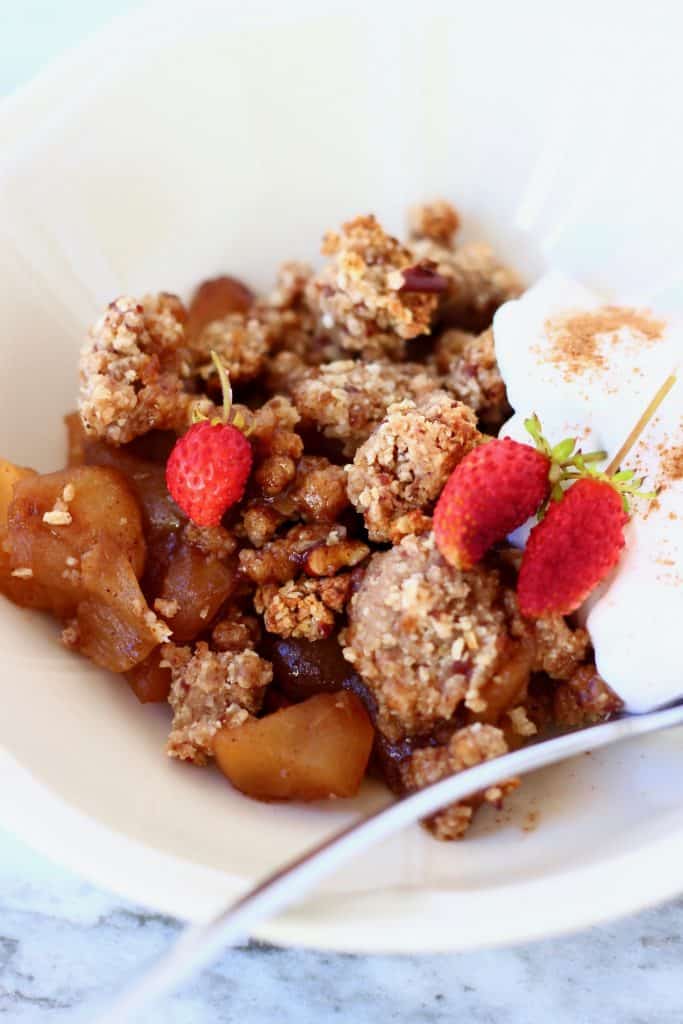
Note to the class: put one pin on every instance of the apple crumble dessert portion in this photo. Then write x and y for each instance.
(250, 525)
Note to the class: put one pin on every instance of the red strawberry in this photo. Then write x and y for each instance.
(495, 489)
(572, 549)
(208, 470)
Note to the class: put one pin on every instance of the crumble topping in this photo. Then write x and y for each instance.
(346, 400)
(211, 689)
(559, 650)
(240, 341)
(406, 461)
(131, 369)
(425, 637)
(236, 631)
(318, 549)
(478, 283)
(584, 699)
(215, 541)
(468, 747)
(521, 724)
(59, 514)
(167, 609)
(470, 372)
(437, 221)
(303, 607)
(358, 297)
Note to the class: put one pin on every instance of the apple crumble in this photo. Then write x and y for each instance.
(313, 621)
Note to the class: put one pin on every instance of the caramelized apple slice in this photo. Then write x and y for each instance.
(148, 481)
(55, 519)
(116, 628)
(9, 476)
(150, 682)
(19, 587)
(319, 748)
(198, 584)
(75, 439)
(507, 687)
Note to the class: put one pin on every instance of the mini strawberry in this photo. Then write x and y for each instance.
(580, 538)
(495, 489)
(572, 548)
(208, 469)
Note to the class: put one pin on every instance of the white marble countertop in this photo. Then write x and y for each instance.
(65, 946)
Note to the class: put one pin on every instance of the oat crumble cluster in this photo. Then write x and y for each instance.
(360, 386)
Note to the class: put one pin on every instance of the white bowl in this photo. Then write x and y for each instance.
(184, 142)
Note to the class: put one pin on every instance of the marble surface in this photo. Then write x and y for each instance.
(66, 947)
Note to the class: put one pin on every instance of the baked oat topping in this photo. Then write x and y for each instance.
(211, 689)
(406, 461)
(559, 649)
(478, 282)
(584, 699)
(437, 221)
(236, 631)
(470, 372)
(241, 342)
(357, 296)
(468, 747)
(59, 514)
(425, 637)
(346, 400)
(318, 549)
(132, 369)
(303, 607)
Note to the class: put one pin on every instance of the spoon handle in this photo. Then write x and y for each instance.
(202, 942)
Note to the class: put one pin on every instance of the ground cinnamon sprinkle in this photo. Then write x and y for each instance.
(578, 338)
(672, 463)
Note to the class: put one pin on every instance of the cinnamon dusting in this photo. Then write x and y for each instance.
(672, 463)
(578, 339)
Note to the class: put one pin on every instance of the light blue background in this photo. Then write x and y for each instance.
(64, 944)
(33, 32)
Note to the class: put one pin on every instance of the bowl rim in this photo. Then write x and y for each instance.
(392, 921)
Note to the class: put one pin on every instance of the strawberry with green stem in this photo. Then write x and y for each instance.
(208, 469)
(582, 512)
(579, 541)
(497, 487)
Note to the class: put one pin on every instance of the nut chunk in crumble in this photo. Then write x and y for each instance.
(131, 369)
(345, 400)
(303, 608)
(471, 373)
(425, 637)
(584, 699)
(478, 283)
(467, 747)
(559, 649)
(211, 689)
(404, 464)
(359, 297)
(437, 221)
(239, 340)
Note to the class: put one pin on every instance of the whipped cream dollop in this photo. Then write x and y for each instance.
(589, 370)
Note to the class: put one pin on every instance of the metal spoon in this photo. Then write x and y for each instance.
(201, 943)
